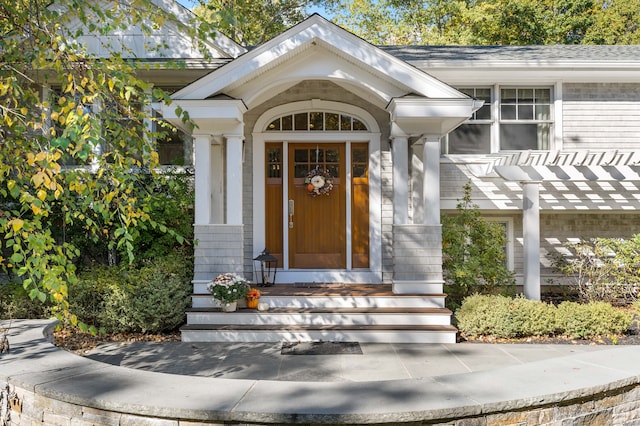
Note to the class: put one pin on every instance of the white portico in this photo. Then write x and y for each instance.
(389, 104)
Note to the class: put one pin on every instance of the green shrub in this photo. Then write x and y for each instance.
(150, 298)
(592, 319)
(507, 317)
(473, 256)
(16, 303)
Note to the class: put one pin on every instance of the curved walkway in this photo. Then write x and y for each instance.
(515, 380)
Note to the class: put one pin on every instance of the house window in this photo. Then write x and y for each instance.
(507, 225)
(525, 118)
(521, 120)
(315, 121)
(474, 136)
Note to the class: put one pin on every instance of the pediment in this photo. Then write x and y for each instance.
(320, 50)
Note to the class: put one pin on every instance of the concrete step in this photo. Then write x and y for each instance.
(318, 316)
(341, 333)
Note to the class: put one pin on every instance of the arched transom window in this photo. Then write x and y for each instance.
(317, 121)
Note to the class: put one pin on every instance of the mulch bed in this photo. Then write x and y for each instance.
(82, 343)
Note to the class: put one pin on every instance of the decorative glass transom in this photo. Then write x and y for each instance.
(317, 121)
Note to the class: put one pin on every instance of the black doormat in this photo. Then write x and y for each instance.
(321, 348)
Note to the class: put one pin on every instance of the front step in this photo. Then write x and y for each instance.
(292, 316)
(349, 312)
(333, 333)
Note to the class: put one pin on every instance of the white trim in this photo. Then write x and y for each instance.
(260, 137)
(556, 142)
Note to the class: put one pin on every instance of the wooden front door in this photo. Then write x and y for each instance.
(317, 215)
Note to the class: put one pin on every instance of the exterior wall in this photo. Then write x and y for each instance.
(217, 250)
(316, 89)
(600, 113)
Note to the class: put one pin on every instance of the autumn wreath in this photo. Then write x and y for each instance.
(319, 182)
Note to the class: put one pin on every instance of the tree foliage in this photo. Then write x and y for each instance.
(490, 22)
(251, 22)
(74, 139)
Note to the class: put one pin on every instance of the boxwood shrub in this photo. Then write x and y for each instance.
(506, 317)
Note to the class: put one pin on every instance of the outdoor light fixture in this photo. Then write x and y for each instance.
(265, 266)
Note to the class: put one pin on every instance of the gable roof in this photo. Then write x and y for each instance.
(317, 49)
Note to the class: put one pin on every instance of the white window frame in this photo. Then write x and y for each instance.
(496, 119)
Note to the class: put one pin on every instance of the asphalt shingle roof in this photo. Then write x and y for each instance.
(547, 54)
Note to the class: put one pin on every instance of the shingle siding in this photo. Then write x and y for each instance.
(600, 115)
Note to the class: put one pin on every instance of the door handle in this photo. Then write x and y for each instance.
(291, 210)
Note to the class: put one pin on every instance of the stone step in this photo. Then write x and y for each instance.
(340, 333)
(319, 316)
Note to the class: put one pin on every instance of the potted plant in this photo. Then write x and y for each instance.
(253, 296)
(227, 289)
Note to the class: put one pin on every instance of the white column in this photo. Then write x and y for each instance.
(431, 180)
(202, 163)
(234, 180)
(531, 236)
(400, 156)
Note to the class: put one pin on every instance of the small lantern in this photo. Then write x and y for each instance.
(266, 275)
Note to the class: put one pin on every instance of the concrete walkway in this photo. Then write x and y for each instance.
(378, 361)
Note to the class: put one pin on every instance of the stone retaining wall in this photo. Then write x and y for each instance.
(42, 384)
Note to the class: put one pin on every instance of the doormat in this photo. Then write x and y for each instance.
(321, 348)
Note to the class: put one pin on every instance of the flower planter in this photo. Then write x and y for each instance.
(229, 307)
(252, 303)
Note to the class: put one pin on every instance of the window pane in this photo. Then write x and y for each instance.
(333, 170)
(518, 136)
(508, 96)
(302, 121)
(525, 96)
(345, 123)
(287, 122)
(543, 112)
(508, 112)
(484, 113)
(483, 94)
(332, 121)
(301, 156)
(332, 156)
(359, 156)
(543, 96)
(301, 170)
(470, 139)
(525, 112)
(274, 171)
(359, 170)
(358, 125)
(315, 121)
(274, 125)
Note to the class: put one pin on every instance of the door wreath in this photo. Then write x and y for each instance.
(319, 182)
